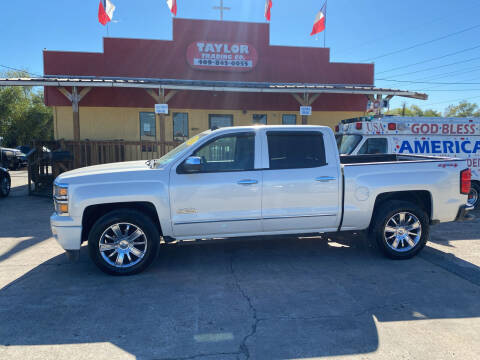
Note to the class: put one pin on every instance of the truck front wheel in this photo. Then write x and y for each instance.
(401, 229)
(123, 242)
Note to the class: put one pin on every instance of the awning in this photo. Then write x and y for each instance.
(205, 85)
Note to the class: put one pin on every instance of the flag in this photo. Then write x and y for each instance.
(320, 20)
(172, 5)
(105, 11)
(268, 6)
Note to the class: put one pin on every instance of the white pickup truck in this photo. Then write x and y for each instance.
(255, 180)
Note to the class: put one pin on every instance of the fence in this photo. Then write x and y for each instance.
(50, 158)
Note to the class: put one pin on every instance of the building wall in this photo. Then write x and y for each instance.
(110, 123)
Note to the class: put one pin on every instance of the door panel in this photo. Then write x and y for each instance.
(304, 193)
(213, 203)
(225, 197)
(294, 200)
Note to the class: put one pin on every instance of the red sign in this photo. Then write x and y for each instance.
(221, 56)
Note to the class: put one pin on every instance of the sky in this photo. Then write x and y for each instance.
(424, 45)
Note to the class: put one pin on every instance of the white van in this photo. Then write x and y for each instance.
(436, 136)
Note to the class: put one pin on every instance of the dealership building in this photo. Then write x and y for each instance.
(206, 52)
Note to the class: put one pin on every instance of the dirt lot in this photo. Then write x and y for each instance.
(259, 299)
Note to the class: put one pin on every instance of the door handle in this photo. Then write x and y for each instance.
(325, 178)
(247, 182)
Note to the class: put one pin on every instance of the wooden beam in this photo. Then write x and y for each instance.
(65, 92)
(76, 115)
(161, 122)
(154, 95)
(83, 92)
(298, 98)
(306, 102)
(312, 99)
(158, 99)
(170, 95)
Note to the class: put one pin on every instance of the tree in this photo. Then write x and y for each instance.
(413, 110)
(463, 109)
(23, 115)
(432, 113)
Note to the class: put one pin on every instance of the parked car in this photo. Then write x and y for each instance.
(24, 149)
(435, 136)
(249, 181)
(11, 158)
(5, 182)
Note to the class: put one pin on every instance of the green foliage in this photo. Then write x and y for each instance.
(23, 115)
(463, 109)
(413, 110)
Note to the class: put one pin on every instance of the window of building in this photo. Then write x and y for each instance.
(260, 119)
(374, 146)
(228, 153)
(294, 150)
(147, 126)
(216, 121)
(180, 126)
(289, 119)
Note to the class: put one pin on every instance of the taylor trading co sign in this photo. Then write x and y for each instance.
(222, 56)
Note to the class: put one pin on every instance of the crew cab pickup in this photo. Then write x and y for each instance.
(255, 180)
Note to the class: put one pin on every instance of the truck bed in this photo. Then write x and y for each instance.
(389, 158)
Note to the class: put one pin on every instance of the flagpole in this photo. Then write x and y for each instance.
(325, 32)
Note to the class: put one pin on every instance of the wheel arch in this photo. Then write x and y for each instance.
(421, 198)
(93, 212)
(476, 183)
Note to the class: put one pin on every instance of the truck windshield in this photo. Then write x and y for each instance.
(171, 155)
(347, 143)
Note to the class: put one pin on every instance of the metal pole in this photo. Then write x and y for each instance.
(305, 103)
(161, 121)
(325, 32)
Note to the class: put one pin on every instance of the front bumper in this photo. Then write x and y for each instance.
(464, 213)
(67, 235)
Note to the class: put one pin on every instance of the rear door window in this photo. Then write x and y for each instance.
(374, 146)
(295, 149)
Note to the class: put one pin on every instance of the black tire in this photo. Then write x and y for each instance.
(136, 219)
(383, 216)
(475, 191)
(5, 184)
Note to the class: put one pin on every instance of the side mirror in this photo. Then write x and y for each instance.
(192, 164)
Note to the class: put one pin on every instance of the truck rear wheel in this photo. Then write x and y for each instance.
(401, 229)
(123, 242)
(473, 196)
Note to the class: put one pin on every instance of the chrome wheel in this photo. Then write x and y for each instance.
(123, 245)
(5, 186)
(402, 231)
(472, 196)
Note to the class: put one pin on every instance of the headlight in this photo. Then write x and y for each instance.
(60, 198)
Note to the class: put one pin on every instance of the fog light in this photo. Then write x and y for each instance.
(63, 208)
